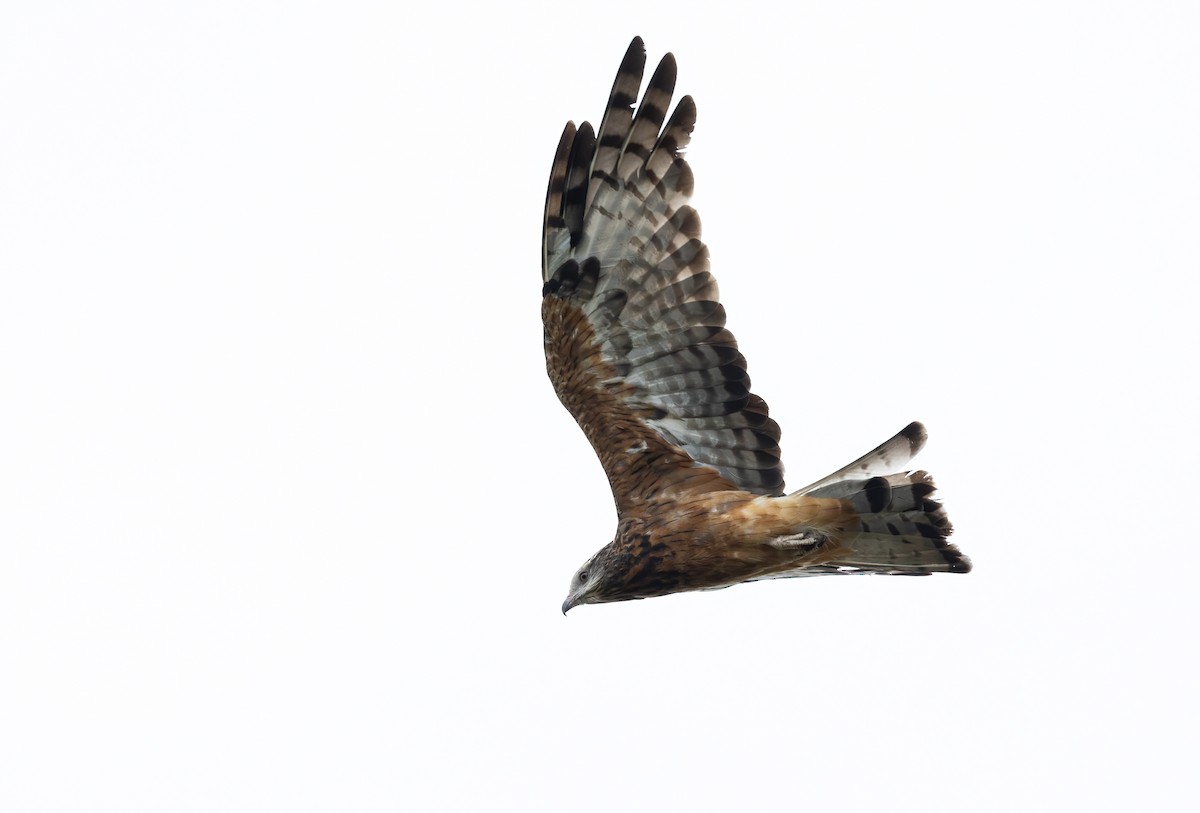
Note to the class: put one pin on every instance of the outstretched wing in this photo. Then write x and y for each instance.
(636, 344)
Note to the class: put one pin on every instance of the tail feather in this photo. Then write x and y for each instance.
(901, 529)
(901, 556)
(890, 455)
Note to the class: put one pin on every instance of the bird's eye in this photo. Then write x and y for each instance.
(583, 575)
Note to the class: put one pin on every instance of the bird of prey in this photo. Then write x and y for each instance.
(638, 352)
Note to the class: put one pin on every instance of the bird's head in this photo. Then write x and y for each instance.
(586, 583)
(603, 577)
(621, 572)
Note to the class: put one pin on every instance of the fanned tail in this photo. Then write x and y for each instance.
(901, 529)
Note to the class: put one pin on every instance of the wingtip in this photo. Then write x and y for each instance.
(635, 57)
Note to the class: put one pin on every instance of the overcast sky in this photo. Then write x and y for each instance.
(288, 507)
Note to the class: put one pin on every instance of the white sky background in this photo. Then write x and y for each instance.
(288, 506)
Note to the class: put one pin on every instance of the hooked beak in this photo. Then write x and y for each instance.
(569, 603)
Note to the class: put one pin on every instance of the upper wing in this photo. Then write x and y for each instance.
(635, 336)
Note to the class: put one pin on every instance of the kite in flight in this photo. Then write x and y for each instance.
(638, 352)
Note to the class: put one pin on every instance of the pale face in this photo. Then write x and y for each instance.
(584, 579)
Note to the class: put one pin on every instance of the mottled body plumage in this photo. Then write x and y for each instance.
(638, 352)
